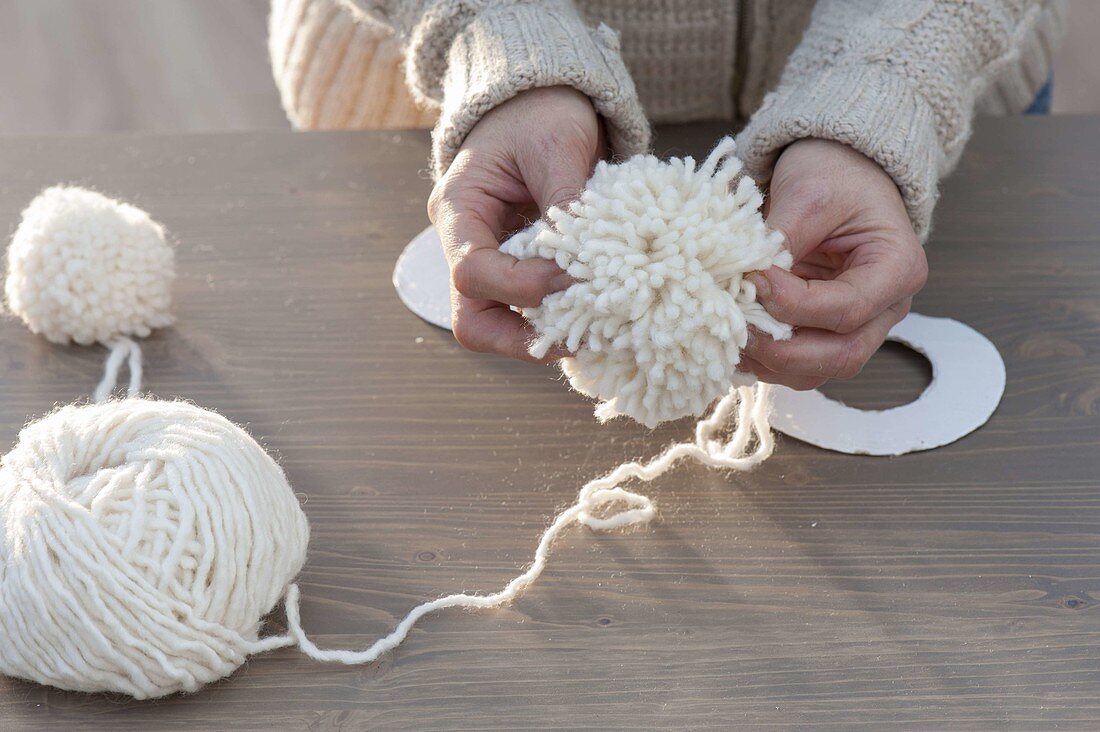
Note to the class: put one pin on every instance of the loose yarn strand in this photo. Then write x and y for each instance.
(123, 349)
(751, 403)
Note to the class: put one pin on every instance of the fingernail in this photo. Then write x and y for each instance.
(750, 339)
(763, 287)
(560, 282)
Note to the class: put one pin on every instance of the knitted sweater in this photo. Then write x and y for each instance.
(898, 80)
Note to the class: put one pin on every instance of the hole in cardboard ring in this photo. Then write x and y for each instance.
(894, 376)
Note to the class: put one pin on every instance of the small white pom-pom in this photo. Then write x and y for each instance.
(661, 307)
(83, 267)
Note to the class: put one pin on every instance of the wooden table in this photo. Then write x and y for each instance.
(957, 586)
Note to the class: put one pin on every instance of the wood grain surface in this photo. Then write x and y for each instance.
(956, 587)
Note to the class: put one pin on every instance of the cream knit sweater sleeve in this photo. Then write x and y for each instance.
(469, 56)
(895, 79)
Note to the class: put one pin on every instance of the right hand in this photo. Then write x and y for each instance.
(533, 152)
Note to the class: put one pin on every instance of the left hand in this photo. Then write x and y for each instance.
(858, 264)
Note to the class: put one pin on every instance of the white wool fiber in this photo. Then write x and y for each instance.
(661, 306)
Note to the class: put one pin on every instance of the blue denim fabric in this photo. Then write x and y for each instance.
(1041, 105)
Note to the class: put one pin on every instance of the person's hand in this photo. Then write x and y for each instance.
(858, 264)
(524, 156)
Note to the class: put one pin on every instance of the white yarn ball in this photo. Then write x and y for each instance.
(87, 268)
(661, 307)
(141, 544)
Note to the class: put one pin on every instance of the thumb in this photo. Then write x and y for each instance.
(804, 215)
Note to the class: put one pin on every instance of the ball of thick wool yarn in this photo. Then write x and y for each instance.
(85, 268)
(661, 307)
(141, 544)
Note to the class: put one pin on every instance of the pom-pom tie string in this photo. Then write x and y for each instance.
(123, 350)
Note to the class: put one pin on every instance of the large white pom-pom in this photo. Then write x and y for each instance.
(141, 544)
(661, 307)
(85, 268)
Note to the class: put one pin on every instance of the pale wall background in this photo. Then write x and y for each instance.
(83, 66)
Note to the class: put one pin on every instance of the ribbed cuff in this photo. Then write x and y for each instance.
(507, 49)
(865, 107)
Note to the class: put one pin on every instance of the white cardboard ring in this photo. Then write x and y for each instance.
(968, 374)
(968, 379)
(423, 279)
